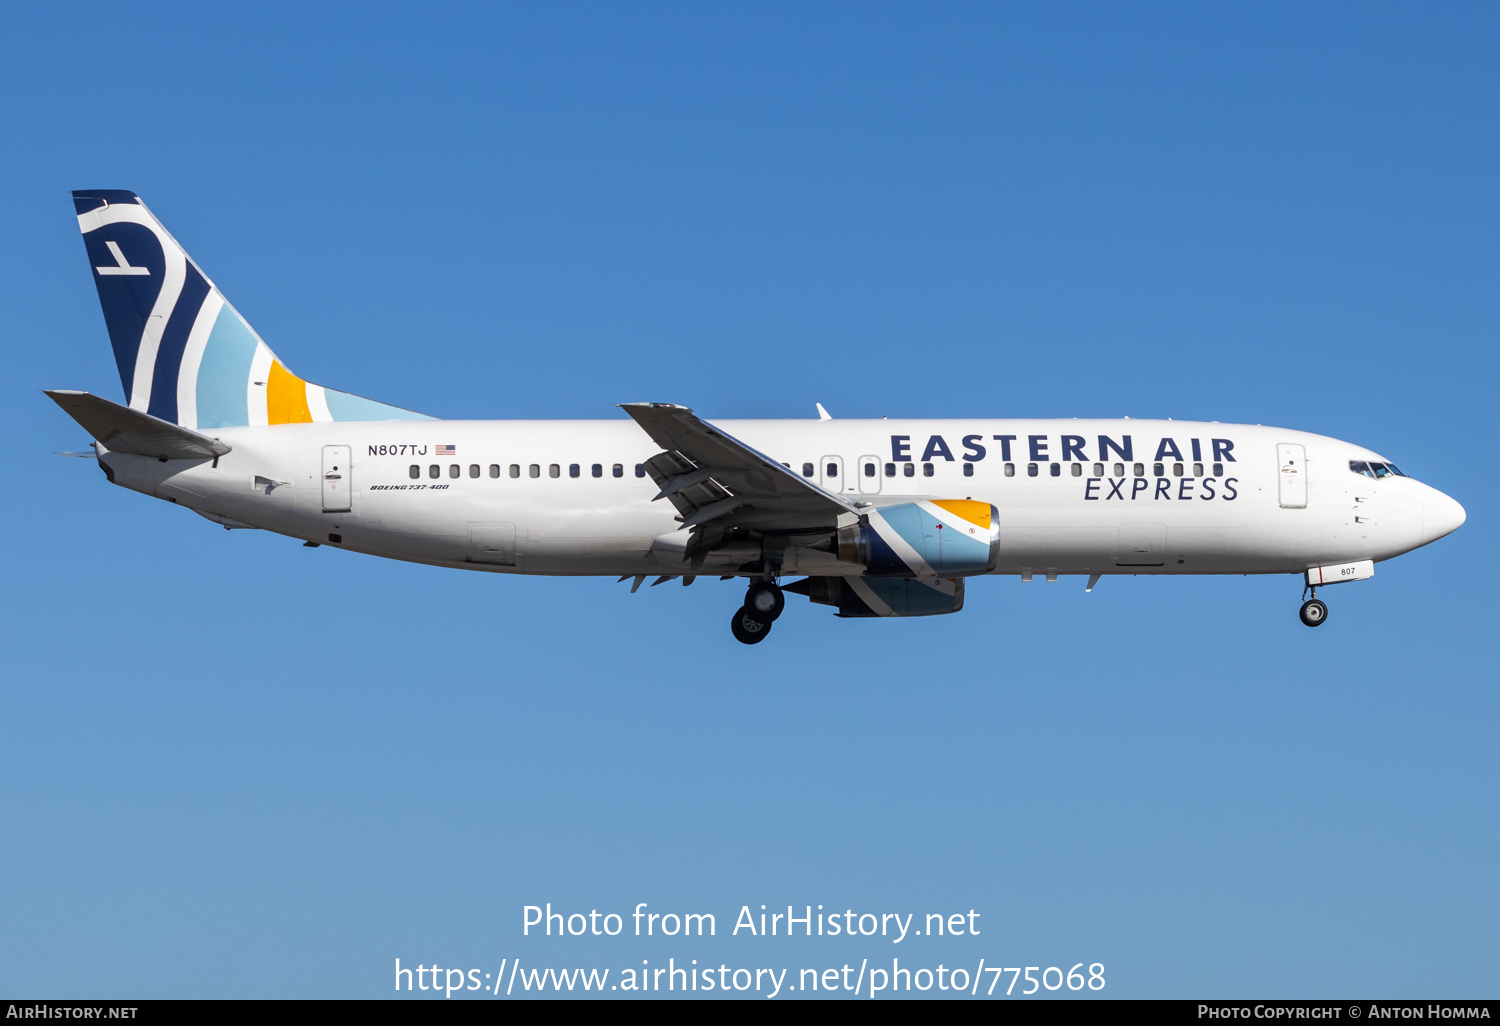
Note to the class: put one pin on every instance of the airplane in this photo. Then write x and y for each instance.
(878, 518)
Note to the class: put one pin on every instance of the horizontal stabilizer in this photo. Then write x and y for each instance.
(121, 429)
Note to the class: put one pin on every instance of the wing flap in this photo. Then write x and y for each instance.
(713, 478)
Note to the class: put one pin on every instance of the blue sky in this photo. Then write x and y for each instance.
(237, 767)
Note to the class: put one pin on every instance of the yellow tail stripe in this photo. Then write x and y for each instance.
(286, 397)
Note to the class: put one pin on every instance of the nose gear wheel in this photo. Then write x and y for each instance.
(1314, 612)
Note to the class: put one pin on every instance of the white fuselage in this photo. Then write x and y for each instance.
(1210, 508)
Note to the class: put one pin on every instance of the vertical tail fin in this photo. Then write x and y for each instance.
(184, 354)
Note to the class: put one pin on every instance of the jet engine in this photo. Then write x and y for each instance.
(936, 538)
(883, 596)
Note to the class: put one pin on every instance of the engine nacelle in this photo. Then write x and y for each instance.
(941, 537)
(882, 596)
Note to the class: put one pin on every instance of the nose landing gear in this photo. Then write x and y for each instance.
(1313, 611)
(752, 621)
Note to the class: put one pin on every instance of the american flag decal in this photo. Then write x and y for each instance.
(447, 450)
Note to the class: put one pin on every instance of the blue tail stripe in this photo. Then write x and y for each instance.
(126, 299)
(173, 341)
(225, 372)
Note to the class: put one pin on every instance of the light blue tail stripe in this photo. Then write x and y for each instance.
(343, 406)
(225, 372)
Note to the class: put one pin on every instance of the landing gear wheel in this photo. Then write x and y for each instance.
(1314, 612)
(746, 629)
(764, 602)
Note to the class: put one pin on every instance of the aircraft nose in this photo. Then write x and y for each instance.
(1440, 515)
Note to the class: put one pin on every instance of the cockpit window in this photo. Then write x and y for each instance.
(1394, 469)
(1361, 467)
(1381, 470)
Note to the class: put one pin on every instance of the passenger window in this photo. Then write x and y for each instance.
(597, 470)
(515, 470)
(1098, 470)
(890, 470)
(869, 470)
(968, 470)
(909, 469)
(1177, 470)
(1031, 470)
(1140, 470)
(434, 471)
(1078, 470)
(453, 470)
(1197, 470)
(1119, 470)
(832, 470)
(534, 470)
(415, 472)
(640, 470)
(927, 470)
(494, 470)
(1218, 470)
(1158, 470)
(572, 470)
(473, 470)
(808, 469)
(618, 470)
(1010, 470)
(1057, 470)
(553, 470)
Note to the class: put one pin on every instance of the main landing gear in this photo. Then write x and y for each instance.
(752, 621)
(1313, 611)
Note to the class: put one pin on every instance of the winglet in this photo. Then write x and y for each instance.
(822, 413)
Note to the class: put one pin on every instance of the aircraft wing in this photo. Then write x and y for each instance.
(716, 480)
(122, 429)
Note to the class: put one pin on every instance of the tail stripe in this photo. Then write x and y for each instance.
(286, 397)
(188, 384)
(317, 402)
(348, 406)
(260, 377)
(225, 367)
(173, 276)
(184, 314)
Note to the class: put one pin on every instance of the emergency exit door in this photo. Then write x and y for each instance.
(337, 481)
(831, 473)
(1292, 475)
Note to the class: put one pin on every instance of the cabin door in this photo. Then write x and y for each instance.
(337, 481)
(1292, 476)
